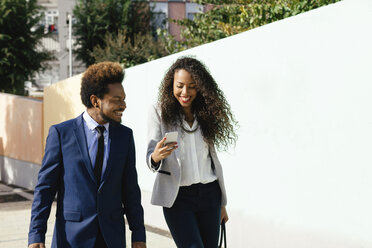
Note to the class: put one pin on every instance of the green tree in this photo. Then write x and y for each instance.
(228, 17)
(96, 18)
(129, 51)
(21, 54)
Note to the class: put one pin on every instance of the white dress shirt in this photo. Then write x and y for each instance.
(92, 140)
(196, 163)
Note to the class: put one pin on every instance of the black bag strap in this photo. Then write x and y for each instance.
(223, 236)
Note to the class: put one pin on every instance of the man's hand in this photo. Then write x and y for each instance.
(138, 245)
(37, 245)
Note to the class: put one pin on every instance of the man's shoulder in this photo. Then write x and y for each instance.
(68, 124)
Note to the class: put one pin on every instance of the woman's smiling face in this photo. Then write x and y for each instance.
(184, 88)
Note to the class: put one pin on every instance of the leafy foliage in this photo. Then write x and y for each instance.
(120, 48)
(171, 45)
(126, 36)
(21, 54)
(229, 17)
(96, 18)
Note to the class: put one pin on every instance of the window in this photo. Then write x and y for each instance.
(190, 16)
(159, 15)
(159, 20)
(192, 9)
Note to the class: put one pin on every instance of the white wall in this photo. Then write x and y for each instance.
(301, 173)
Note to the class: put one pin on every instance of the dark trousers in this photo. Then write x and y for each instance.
(100, 241)
(194, 218)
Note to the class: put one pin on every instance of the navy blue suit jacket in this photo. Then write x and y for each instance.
(82, 204)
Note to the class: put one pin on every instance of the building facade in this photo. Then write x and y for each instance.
(56, 23)
(173, 9)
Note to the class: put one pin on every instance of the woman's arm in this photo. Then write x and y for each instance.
(224, 215)
(153, 135)
(156, 148)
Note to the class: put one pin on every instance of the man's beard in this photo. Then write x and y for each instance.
(108, 119)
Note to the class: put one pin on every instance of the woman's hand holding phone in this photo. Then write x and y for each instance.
(164, 148)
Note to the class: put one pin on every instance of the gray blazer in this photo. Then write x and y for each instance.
(168, 176)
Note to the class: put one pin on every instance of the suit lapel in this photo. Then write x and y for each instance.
(82, 143)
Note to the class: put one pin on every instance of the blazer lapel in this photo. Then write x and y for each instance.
(81, 139)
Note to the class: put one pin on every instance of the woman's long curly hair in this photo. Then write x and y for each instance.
(210, 107)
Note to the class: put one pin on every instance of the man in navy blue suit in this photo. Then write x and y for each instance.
(89, 162)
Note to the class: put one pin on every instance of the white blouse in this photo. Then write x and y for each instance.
(196, 163)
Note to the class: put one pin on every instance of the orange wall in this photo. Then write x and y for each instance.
(25, 122)
(21, 125)
(62, 102)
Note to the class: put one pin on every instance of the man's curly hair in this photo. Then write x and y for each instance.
(210, 106)
(96, 79)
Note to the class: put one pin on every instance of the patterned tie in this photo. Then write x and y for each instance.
(99, 158)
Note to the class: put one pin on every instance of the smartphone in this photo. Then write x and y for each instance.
(171, 137)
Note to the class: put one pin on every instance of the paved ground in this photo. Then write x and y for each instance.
(15, 205)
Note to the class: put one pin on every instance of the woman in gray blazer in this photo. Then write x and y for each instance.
(189, 184)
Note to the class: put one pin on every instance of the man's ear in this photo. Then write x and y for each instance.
(95, 101)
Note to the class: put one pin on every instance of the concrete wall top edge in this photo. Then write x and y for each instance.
(21, 97)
